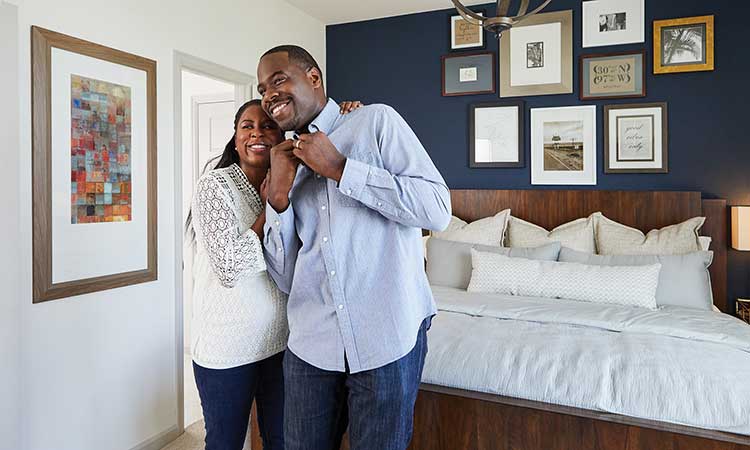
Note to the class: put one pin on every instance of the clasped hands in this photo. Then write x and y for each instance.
(315, 150)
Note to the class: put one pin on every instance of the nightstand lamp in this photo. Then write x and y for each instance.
(741, 241)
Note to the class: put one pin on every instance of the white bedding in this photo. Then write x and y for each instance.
(674, 364)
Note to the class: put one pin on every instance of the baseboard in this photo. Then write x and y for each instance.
(160, 440)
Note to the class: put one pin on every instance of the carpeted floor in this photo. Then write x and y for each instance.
(193, 438)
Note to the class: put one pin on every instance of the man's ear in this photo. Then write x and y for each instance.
(313, 74)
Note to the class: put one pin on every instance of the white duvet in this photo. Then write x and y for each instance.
(674, 364)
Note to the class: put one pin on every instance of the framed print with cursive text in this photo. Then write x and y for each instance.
(635, 138)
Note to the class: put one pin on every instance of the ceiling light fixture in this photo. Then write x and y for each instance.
(502, 21)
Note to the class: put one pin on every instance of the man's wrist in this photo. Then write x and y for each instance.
(339, 174)
(279, 203)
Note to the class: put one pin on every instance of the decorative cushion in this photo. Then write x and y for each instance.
(449, 262)
(613, 238)
(487, 231)
(683, 280)
(622, 285)
(578, 234)
(705, 242)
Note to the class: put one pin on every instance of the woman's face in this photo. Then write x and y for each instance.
(255, 135)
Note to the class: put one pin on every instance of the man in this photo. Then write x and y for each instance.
(346, 202)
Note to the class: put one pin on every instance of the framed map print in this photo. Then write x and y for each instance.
(94, 167)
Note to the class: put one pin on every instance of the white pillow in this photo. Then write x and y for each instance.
(705, 242)
(487, 231)
(621, 285)
(613, 238)
(578, 234)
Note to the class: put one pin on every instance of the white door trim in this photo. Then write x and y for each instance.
(244, 88)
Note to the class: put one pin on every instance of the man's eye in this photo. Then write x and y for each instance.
(278, 81)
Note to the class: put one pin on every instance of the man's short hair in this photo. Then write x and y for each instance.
(298, 56)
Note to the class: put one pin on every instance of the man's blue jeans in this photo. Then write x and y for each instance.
(377, 405)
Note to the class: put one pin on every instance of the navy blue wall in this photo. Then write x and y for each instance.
(397, 61)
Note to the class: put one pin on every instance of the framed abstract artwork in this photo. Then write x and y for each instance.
(536, 56)
(684, 45)
(464, 35)
(636, 138)
(612, 75)
(563, 145)
(496, 134)
(613, 22)
(94, 167)
(465, 74)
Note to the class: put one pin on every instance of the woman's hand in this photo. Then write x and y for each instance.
(347, 107)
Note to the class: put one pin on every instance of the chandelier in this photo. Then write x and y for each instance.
(502, 21)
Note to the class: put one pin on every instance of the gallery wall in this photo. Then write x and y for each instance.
(10, 307)
(397, 61)
(99, 370)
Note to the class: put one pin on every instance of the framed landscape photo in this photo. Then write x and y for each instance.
(635, 138)
(612, 75)
(94, 167)
(466, 74)
(496, 134)
(563, 145)
(536, 56)
(684, 45)
(613, 22)
(465, 35)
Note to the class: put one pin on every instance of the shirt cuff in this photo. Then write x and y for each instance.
(279, 230)
(354, 178)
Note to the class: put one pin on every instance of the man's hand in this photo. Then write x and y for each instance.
(283, 170)
(320, 155)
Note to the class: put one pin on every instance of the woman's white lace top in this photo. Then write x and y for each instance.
(239, 315)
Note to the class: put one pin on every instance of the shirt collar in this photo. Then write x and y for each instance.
(326, 119)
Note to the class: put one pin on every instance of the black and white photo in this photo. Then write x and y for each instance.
(534, 55)
(683, 44)
(612, 22)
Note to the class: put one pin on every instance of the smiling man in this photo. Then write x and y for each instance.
(346, 205)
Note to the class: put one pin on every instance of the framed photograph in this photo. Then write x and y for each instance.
(612, 75)
(635, 138)
(94, 167)
(536, 56)
(466, 74)
(496, 134)
(613, 22)
(684, 45)
(563, 145)
(464, 35)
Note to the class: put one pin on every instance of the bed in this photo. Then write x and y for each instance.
(461, 407)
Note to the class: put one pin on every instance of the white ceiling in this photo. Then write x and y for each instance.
(343, 11)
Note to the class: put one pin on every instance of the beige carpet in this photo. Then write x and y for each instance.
(193, 439)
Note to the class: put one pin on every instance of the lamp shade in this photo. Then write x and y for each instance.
(741, 228)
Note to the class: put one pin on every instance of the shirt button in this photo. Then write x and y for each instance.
(333, 272)
(317, 175)
(380, 204)
(276, 222)
(323, 207)
(325, 239)
(341, 306)
(279, 249)
(348, 192)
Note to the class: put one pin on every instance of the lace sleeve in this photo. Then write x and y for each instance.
(231, 254)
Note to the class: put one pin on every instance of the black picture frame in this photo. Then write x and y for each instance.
(521, 111)
(483, 46)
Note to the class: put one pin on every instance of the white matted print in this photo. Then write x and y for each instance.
(88, 250)
(635, 138)
(563, 145)
(535, 54)
(496, 134)
(613, 22)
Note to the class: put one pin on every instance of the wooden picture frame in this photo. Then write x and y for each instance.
(614, 66)
(658, 160)
(505, 108)
(468, 74)
(696, 33)
(453, 21)
(61, 64)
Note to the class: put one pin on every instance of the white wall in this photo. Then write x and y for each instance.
(10, 311)
(99, 370)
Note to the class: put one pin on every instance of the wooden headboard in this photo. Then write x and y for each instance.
(644, 210)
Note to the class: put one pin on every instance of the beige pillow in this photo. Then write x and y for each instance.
(487, 231)
(578, 234)
(613, 238)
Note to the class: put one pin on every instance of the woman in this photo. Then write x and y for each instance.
(240, 328)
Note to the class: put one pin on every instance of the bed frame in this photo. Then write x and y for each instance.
(454, 419)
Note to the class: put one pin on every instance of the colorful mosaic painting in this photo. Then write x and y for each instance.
(100, 151)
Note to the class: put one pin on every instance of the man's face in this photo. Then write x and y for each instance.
(290, 93)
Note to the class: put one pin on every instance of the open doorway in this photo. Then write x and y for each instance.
(206, 98)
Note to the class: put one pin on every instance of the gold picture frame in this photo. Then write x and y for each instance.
(684, 45)
(61, 65)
